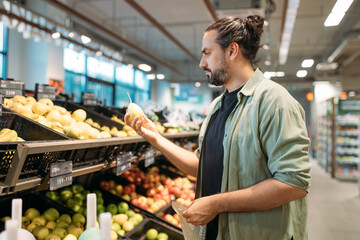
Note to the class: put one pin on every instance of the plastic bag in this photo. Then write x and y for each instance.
(190, 231)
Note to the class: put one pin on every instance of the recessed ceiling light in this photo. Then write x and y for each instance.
(55, 35)
(307, 63)
(197, 84)
(144, 67)
(301, 73)
(160, 76)
(150, 76)
(85, 39)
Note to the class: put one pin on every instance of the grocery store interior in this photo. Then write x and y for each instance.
(69, 69)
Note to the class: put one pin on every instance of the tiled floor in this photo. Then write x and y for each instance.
(334, 207)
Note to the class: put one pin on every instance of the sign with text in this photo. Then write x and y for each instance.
(149, 157)
(60, 174)
(123, 163)
(349, 106)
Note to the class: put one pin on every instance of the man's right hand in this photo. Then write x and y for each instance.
(144, 127)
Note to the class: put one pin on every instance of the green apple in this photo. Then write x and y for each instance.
(51, 214)
(130, 213)
(121, 232)
(163, 236)
(61, 232)
(128, 226)
(65, 195)
(50, 225)
(39, 221)
(78, 218)
(53, 195)
(120, 218)
(151, 234)
(32, 213)
(115, 226)
(123, 207)
(64, 218)
(77, 188)
(112, 208)
(70, 237)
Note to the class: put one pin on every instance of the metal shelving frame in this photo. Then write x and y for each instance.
(13, 183)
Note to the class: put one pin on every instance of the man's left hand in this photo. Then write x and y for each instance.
(201, 211)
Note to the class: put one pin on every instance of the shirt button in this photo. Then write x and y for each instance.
(225, 135)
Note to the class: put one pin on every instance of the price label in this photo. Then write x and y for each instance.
(60, 168)
(60, 181)
(149, 157)
(123, 163)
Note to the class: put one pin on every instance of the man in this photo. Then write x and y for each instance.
(252, 165)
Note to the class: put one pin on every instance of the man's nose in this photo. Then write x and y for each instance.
(202, 63)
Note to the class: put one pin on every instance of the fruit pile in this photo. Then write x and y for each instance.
(128, 193)
(8, 135)
(52, 225)
(55, 117)
(153, 234)
(125, 220)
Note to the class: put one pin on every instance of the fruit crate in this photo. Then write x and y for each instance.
(30, 200)
(107, 111)
(95, 116)
(30, 131)
(139, 232)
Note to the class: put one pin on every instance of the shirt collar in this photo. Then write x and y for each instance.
(251, 84)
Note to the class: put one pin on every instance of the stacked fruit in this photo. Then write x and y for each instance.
(52, 225)
(131, 132)
(159, 186)
(153, 234)
(128, 193)
(8, 135)
(114, 130)
(124, 219)
(58, 118)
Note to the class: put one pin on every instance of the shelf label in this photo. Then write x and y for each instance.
(60, 168)
(349, 106)
(60, 181)
(149, 157)
(60, 174)
(123, 163)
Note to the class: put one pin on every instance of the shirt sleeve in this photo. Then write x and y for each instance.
(286, 144)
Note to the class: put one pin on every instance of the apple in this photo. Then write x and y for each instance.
(115, 226)
(152, 234)
(120, 218)
(126, 197)
(162, 236)
(112, 208)
(128, 226)
(112, 184)
(119, 189)
(123, 207)
(105, 185)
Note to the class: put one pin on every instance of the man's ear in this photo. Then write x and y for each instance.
(233, 50)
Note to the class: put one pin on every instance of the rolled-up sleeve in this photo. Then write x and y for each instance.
(286, 144)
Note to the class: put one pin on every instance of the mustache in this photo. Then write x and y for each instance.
(207, 69)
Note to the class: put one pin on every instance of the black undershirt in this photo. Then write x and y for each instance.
(214, 154)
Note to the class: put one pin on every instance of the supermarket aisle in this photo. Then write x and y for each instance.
(334, 207)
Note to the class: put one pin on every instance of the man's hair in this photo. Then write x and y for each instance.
(245, 32)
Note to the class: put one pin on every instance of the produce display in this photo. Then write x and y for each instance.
(51, 225)
(8, 135)
(153, 234)
(55, 117)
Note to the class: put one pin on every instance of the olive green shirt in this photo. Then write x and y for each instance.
(265, 137)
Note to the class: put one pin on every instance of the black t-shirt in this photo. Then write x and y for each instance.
(214, 154)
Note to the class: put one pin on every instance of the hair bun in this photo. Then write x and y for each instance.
(255, 22)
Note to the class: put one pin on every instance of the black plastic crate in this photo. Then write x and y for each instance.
(139, 232)
(96, 117)
(30, 131)
(30, 200)
(107, 111)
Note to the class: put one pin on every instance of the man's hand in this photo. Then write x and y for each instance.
(201, 211)
(144, 127)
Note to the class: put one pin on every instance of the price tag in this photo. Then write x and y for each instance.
(60, 174)
(60, 181)
(123, 163)
(60, 168)
(149, 157)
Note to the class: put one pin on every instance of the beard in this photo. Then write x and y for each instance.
(219, 76)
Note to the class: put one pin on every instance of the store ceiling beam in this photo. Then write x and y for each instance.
(283, 17)
(161, 28)
(211, 9)
(76, 14)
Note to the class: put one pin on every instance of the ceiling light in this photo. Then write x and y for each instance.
(130, 65)
(273, 74)
(267, 62)
(150, 76)
(71, 34)
(307, 63)
(337, 13)
(326, 66)
(160, 76)
(85, 39)
(144, 67)
(55, 35)
(301, 73)
(288, 28)
(266, 47)
(99, 53)
(197, 84)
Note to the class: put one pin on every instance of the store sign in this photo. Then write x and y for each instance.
(123, 163)
(45, 91)
(349, 106)
(60, 174)
(149, 157)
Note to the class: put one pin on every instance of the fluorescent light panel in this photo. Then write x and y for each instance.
(150, 76)
(160, 76)
(288, 28)
(85, 39)
(307, 63)
(338, 12)
(144, 67)
(274, 74)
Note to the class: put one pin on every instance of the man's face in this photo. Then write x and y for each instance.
(213, 60)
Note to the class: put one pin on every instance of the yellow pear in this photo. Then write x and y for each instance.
(47, 101)
(40, 108)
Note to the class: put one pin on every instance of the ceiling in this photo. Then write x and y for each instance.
(186, 20)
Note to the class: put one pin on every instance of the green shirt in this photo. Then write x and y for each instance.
(265, 137)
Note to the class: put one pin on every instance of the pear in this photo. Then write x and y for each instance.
(47, 101)
(40, 108)
(134, 110)
(79, 115)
